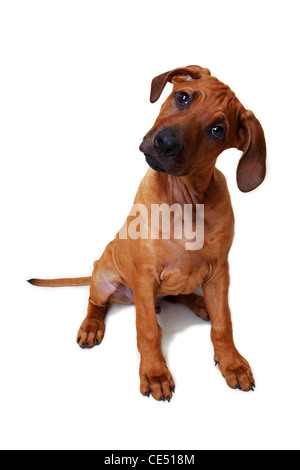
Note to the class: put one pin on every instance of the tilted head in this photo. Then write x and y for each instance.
(200, 119)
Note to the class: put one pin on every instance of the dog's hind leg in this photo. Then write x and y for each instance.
(91, 332)
(107, 287)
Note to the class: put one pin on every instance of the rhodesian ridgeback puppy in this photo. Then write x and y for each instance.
(200, 119)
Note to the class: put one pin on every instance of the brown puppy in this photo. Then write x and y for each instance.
(201, 118)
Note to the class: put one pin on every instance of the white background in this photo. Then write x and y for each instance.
(74, 106)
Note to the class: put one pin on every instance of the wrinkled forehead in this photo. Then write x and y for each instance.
(209, 90)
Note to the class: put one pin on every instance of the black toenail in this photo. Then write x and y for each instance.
(162, 399)
(169, 399)
(238, 387)
(173, 389)
(147, 394)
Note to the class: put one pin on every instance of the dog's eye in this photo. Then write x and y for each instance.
(182, 98)
(218, 131)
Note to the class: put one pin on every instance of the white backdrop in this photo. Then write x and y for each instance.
(74, 106)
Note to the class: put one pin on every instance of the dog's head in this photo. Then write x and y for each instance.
(200, 119)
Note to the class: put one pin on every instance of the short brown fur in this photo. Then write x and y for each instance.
(143, 271)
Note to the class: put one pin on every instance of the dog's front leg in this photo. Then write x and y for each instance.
(233, 366)
(154, 375)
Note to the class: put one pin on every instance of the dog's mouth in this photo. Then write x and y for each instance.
(174, 168)
(154, 164)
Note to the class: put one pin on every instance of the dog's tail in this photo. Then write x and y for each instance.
(80, 281)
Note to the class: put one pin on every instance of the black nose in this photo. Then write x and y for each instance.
(168, 143)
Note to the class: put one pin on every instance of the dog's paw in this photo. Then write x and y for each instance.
(202, 313)
(237, 373)
(198, 306)
(157, 381)
(194, 302)
(90, 333)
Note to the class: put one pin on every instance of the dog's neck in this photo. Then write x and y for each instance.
(190, 189)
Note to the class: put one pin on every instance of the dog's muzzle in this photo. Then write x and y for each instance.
(167, 143)
(162, 150)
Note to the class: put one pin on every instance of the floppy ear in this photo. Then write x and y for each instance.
(191, 72)
(251, 169)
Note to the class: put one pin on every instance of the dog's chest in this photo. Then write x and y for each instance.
(183, 274)
(185, 270)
